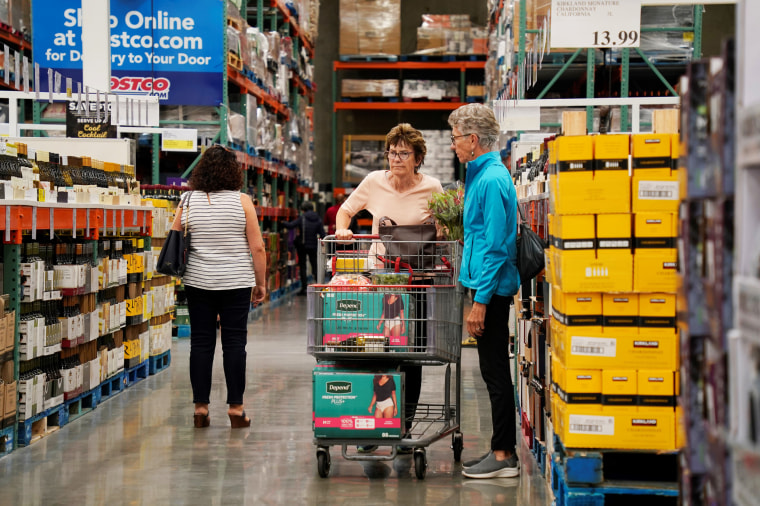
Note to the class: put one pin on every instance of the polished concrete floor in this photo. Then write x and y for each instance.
(140, 448)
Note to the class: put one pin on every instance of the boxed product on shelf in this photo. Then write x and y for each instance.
(450, 34)
(655, 262)
(414, 89)
(8, 386)
(617, 427)
(369, 87)
(581, 266)
(620, 313)
(619, 390)
(370, 27)
(579, 349)
(362, 154)
(342, 402)
(579, 185)
(655, 179)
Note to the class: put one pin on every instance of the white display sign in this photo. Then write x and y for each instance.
(595, 23)
(179, 139)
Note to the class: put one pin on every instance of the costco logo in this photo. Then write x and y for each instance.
(142, 85)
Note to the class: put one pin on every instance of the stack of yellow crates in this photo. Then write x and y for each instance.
(612, 264)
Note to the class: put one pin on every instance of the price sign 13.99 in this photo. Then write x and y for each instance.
(595, 23)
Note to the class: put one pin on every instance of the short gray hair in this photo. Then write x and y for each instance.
(476, 119)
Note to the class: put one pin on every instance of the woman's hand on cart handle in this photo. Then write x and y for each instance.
(344, 234)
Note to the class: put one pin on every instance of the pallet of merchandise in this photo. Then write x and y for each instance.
(183, 331)
(38, 426)
(159, 362)
(6, 441)
(596, 467)
(612, 492)
(136, 373)
(80, 405)
(112, 386)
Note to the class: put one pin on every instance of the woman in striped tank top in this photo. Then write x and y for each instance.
(227, 259)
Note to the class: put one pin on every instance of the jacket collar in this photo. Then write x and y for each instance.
(485, 159)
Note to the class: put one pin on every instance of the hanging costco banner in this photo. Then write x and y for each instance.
(595, 23)
(170, 48)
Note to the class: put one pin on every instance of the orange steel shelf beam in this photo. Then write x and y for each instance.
(409, 65)
(397, 106)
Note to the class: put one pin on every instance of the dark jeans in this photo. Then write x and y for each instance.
(231, 306)
(303, 253)
(493, 354)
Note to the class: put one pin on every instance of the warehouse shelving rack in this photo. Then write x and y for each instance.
(38, 218)
(460, 64)
(593, 59)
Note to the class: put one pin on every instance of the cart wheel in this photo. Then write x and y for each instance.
(420, 464)
(323, 462)
(457, 443)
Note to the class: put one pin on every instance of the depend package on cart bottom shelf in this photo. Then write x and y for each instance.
(358, 405)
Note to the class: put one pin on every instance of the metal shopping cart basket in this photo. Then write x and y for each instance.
(369, 315)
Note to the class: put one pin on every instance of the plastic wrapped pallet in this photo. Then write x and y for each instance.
(370, 27)
(369, 88)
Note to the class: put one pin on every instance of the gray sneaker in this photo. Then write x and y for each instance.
(492, 468)
(475, 462)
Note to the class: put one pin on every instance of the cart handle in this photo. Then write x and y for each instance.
(355, 236)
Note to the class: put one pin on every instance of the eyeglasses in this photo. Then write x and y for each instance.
(455, 137)
(401, 155)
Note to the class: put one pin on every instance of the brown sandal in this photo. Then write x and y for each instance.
(201, 421)
(239, 421)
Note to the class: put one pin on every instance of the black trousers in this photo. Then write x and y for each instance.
(303, 254)
(231, 306)
(493, 355)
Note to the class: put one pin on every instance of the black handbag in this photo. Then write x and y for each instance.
(172, 260)
(530, 251)
(408, 246)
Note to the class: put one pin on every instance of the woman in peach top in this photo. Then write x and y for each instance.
(402, 194)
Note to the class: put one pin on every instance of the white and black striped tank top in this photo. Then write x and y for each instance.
(220, 258)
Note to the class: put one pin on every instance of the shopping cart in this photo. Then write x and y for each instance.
(349, 328)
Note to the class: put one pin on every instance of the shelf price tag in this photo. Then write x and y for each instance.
(179, 139)
(595, 23)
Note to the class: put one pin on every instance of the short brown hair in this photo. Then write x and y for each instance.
(406, 133)
(217, 170)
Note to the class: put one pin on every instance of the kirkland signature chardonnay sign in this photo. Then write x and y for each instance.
(170, 48)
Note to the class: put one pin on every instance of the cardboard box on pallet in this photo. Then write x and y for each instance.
(655, 180)
(657, 314)
(592, 253)
(580, 426)
(620, 313)
(586, 350)
(341, 405)
(656, 259)
(619, 390)
(369, 27)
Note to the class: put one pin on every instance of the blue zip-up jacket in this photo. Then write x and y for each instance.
(489, 259)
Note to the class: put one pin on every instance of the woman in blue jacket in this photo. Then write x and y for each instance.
(489, 267)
